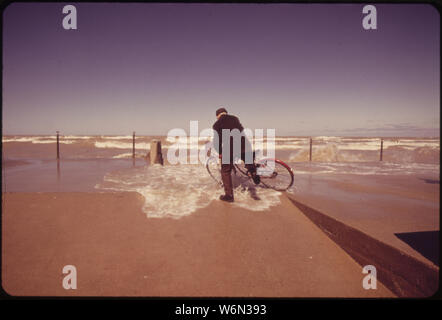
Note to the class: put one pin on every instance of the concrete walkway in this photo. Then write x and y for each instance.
(216, 251)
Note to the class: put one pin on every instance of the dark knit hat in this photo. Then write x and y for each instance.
(220, 110)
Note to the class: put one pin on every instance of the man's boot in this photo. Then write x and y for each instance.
(226, 198)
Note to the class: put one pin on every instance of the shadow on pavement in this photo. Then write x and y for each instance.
(425, 242)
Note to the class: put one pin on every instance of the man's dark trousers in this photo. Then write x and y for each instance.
(226, 174)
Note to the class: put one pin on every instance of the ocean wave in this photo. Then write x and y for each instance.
(41, 139)
(78, 137)
(117, 137)
(128, 155)
(121, 145)
(61, 141)
(21, 139)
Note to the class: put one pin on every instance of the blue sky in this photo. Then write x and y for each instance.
(302, 69)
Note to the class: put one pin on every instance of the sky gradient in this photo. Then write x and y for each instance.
(303, 69)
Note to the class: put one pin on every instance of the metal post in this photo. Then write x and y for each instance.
(382, 147)
(58, 146)
(133, 145)
(58, 170)
(311, 149)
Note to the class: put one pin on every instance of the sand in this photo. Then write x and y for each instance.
(217, 251)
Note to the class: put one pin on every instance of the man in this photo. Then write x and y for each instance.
(230, 122)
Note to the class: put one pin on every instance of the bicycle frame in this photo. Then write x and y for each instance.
(265, 160)
(237, 167)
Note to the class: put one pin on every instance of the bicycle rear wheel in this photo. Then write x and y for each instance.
(213, 166)
(279, 178)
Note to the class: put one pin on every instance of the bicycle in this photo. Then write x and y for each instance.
(279, 178)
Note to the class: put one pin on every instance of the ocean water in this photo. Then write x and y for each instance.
(104, 163)
(294, 149)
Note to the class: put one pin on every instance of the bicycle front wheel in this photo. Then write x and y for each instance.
(213, 166)
(278, 177)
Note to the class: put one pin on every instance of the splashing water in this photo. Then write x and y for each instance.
(177, 191)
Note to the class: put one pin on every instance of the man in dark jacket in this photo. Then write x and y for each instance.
(229, 123)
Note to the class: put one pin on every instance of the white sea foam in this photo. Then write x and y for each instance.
(410, 144)
(121, 145)
(187, 146)
(128, 155)
(62, 141)
(117, 137)
(77, 137)
(282, 139)
(372, 145)
(21, 139)
(177, 191)
(327, 138)
(37, 140)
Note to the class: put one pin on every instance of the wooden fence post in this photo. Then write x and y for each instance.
(310, 149)
(155, 152)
